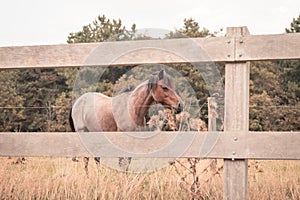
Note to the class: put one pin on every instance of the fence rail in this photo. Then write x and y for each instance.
(228, 145)
(215, 49)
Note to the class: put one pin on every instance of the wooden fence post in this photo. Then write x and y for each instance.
(212, 114)
(236, 116)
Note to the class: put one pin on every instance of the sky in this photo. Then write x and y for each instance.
(41, 22)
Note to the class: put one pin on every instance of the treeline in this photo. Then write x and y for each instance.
(40, 99)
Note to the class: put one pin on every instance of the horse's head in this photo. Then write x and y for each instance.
(163, 91)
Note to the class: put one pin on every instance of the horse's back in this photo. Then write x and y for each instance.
(93, 112)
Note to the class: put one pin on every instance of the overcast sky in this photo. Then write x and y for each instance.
(36, 22)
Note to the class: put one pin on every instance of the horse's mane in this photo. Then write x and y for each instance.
(124, 90)
(151, 83)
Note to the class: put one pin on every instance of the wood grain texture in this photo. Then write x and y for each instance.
(237, 77)
(212, 113)
(41, 144)
(235, 180)
(215, 49)
(227, 145)
(268, 47)
(116, 53)
(236, 117)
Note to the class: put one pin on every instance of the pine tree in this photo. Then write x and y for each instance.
(191, 29)
(102, 29)
(295, 26)
(11, 103)
(291, 69)
(38, 88)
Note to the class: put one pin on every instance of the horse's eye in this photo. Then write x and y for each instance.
(165, 88)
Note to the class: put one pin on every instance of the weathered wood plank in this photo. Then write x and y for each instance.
(235, 181)
(41, 144)
(217, 49)
(212, 114)
(116, 53)
(236, 118)
(257, 145)
(45, 56)
(268, 47)
(237, 77)
(229, 145)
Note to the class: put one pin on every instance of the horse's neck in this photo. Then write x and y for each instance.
(140, 101)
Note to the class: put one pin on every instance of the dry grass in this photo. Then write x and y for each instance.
(274, 180)
(60, 178)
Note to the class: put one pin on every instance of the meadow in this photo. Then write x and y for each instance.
(60, 178)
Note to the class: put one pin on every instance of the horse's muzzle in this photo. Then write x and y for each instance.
(179, 108)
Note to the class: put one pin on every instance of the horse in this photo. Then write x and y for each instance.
(96, 112)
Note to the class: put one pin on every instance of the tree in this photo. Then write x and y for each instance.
(275, 92)
(268, 111)
(291, 69)
(295, 26)
(29, 97)
(39, 89)
(11, 103)
(102, 29)
(191, 29)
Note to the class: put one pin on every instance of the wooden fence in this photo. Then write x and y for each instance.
(235, 145)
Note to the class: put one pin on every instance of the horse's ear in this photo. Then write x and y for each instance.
(161, 74)
(152, 82)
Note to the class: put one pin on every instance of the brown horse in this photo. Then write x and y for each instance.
(95, 112)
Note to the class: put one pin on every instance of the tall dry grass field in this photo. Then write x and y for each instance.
(60, 178)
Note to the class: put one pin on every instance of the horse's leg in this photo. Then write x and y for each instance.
(97, 160)
(124, 163)
(86, 164)
(85, 159)
(74, 159)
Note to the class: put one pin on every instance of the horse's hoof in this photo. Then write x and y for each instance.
(74, 159)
